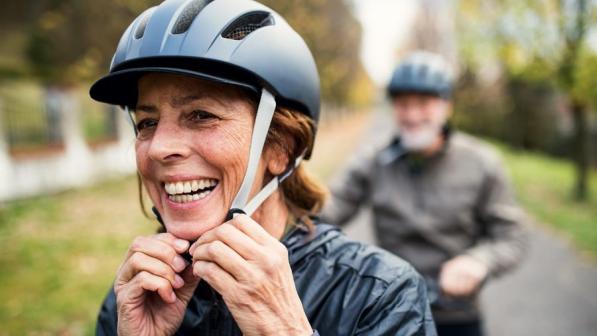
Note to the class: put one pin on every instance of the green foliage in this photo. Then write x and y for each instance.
(334, 35)
(67, 41)
(586, 79)
(543, 187)
(74, 40)
(533, 40)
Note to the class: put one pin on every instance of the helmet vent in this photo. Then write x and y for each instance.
(189, 14)
(141, 27)
(246, 24)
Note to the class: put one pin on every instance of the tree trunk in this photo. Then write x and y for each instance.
(581, 150)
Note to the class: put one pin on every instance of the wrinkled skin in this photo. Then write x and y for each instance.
(191, 129)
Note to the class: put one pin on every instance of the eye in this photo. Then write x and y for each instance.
(146, 123)
(201, 116)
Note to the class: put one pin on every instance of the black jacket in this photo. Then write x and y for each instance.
(346, 287)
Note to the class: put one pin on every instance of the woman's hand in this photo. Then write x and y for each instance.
(462, 276)
(250, 269)
(153, 286)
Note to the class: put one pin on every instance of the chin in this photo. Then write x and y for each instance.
(188, 218)
(189, 229)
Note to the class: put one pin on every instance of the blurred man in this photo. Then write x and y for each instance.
(440, 198)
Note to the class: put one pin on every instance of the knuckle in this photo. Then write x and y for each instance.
(282, 250)
(143, 276)
(135, 260)
(212, 250)
(199, 268)
(169, 254)
(138, 243)
(221, 231)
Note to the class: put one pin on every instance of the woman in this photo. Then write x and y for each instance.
(226, 101)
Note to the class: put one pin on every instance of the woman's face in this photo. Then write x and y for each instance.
(192, 149)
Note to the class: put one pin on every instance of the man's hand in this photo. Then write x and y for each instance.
(250, 269)
(462, 276)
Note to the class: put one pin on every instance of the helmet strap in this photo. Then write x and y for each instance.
(263, 119)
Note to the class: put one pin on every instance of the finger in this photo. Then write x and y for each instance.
(215, 276)
(139, 262)
(225, 257)
(156, 247)
(153, 283)
(180, 245)
(244, 245)
(252, 229)
(185, 293)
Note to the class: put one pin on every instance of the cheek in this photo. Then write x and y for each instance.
(144, 167)
(142, 157)
(227, 149)
(438, 116)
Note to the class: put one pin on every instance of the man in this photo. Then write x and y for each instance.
(440, 198)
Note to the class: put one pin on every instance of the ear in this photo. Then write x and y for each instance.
(276, 160)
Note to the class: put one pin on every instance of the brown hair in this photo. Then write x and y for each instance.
(292, 132)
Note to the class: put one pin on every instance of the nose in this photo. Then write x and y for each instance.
(409, 112)
(168, 143)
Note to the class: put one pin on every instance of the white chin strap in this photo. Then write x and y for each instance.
(263, 119)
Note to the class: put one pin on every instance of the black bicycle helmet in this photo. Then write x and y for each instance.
(422, 72)
(236, 42)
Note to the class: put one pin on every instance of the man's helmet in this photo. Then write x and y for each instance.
(422, 72)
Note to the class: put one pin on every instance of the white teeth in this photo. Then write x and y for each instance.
(179, 188)
(188, 198)
(188, 187)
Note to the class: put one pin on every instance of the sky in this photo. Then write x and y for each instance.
(386, 24)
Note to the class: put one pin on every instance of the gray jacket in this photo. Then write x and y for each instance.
(429, 211)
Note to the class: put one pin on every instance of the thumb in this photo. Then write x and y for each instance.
(185, 292)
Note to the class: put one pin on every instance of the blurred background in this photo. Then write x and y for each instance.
(527, 83)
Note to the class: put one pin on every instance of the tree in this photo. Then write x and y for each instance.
(539, 41)
(72, 40)
(334, 35)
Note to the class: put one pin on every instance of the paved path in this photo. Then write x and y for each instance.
(553, 293)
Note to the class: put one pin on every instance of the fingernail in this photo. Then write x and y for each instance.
(172, 297)
(181, 244)
(178, 281)
(179, 263)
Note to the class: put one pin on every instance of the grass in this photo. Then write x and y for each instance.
(544, 187)
(59, 253)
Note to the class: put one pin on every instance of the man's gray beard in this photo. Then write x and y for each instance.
(419, 140)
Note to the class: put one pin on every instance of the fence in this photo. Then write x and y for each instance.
(52, 140)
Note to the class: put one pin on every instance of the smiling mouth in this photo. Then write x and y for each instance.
(189, 191)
